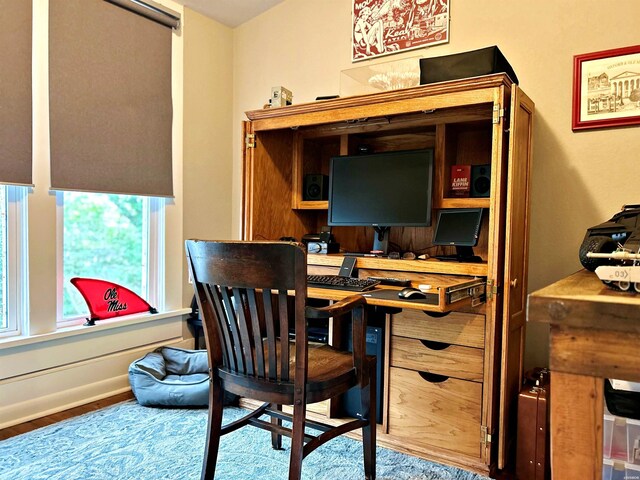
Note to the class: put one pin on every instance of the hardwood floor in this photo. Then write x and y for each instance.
(57, 417)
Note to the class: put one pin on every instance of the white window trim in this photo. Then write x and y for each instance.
(18, 262)
(155, 244)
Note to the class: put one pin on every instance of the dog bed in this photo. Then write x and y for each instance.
(171, 376)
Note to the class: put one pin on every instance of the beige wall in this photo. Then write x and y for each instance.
(208, 151)
(579, 179)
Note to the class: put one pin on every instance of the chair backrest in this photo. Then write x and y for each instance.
(242, 293)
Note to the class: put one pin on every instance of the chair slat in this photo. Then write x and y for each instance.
(256, 324)
(213, 297)
(284, 334)
(271, 334)
(243, 326)
(232, 321)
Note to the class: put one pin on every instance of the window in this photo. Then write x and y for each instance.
(110, 237)
(4, 317)
(13, 259)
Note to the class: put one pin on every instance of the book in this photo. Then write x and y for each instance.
(460, 180)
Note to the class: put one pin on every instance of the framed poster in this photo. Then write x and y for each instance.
(383, 27)
(606, 88)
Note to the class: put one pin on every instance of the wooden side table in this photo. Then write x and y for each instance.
(594, 334)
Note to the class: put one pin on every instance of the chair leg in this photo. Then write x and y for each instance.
(368, 404)
(276, 438)
(297, 442)
(216, 400)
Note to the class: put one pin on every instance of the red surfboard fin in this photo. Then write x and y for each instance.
(107, 299)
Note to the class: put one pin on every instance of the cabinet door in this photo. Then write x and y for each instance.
(267, 174)
(247, 178)
(515, 266)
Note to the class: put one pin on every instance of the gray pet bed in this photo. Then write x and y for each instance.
(171, 376)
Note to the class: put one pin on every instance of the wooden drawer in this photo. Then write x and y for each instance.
(439, 358)
(456, 328)
(444, 414)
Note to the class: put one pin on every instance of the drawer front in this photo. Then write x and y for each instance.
(439, 358)
(443, 414)
(456, 328)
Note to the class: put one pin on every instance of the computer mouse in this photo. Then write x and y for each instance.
(411, 293)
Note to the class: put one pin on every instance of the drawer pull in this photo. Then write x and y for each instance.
(431, 345)
(433, 377)
(436, 314)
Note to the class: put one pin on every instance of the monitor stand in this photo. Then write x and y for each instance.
(381, 241)
(463, 254)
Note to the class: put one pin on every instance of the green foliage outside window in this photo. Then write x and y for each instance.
(105, 237)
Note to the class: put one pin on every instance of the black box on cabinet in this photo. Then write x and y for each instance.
(474, 63)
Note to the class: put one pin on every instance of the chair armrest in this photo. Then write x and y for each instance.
(339, 308)
(355, 303)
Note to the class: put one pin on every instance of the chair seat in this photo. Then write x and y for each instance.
(329, 371)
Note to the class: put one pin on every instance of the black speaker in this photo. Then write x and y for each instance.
(316, 187)
(480, 180)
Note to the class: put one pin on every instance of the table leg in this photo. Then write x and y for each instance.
(577, 403)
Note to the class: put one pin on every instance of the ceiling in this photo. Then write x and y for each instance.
(230, 12)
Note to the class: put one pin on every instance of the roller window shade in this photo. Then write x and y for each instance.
(15, 92)
(110, 100)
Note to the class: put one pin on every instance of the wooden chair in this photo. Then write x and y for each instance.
(244, 293)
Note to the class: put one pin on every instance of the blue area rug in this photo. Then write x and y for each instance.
(128, 441)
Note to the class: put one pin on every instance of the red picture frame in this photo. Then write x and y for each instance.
(606, 89)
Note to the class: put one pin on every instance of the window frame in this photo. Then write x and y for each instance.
(17, 262)
(154, 219)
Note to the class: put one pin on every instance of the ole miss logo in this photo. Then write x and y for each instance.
(113, 304)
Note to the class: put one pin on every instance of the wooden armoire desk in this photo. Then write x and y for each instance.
(451, 380)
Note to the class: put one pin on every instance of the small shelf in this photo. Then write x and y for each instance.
(312, 205)
(479, 269)
(451, 202)
(444, 203)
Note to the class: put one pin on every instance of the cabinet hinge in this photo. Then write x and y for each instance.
(250, 140)
(492, 288)
(498, 113)
(485, 435)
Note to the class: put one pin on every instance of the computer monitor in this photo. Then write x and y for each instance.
(459, 227)
(381, 190)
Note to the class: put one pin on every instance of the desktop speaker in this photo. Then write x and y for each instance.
(316, 187)
(480, 180)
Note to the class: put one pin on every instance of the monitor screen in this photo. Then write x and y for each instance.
(458, 227)
(381, 189)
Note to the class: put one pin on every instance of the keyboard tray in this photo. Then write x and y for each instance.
(445, 295)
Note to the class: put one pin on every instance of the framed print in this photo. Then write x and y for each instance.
(383, 27)
(606, 88)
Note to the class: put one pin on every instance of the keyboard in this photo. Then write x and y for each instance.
(341, 283)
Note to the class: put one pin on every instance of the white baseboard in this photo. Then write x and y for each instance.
(33, 396)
